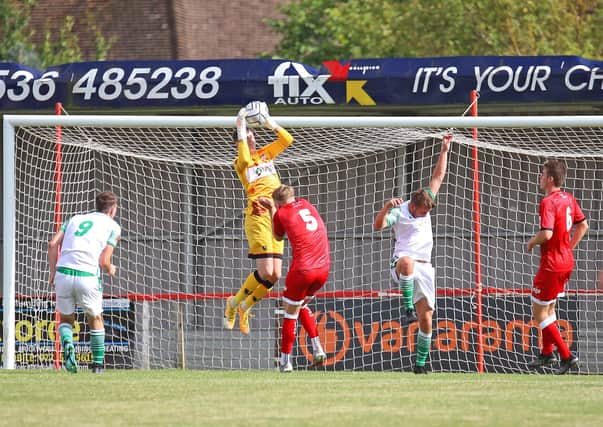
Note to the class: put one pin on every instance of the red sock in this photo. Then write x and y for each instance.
(306, 317)
(288, 335)
(562, 347)
(547, 342)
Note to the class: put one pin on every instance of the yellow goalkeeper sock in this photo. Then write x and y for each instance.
(260, 292)
(250, 284)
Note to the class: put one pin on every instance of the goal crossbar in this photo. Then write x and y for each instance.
(13, 120)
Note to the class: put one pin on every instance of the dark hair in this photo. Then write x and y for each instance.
(557, 170)
(422, 198)
(105, 201)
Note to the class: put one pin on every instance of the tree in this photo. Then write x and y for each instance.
(56, 48)
(316, 30)
(14, 34)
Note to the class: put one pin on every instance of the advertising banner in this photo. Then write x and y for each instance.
(35, 334)
(357, 82)
(365, 334)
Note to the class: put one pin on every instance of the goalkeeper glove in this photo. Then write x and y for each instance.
(269, 122)
(241, 125)
(260, 109)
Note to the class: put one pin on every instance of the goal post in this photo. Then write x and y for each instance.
(8, 246)
(184, 251)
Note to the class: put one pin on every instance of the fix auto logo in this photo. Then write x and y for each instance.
(302, 88)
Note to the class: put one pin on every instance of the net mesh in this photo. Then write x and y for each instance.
(183, 248)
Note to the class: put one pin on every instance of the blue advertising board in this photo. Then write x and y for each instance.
(364, 82)
(35, 330)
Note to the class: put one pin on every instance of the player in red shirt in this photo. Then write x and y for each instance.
(559, 212)
(309, 269)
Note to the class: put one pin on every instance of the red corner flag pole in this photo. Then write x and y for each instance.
(476, 232)
(57, 224)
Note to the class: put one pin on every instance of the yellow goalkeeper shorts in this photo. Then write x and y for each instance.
(262, 244)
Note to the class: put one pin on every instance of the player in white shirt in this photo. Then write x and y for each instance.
(411, 267)
(76, 255)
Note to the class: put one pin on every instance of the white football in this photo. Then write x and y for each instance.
(257, 112)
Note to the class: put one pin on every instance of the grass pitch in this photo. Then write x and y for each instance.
(303, 398)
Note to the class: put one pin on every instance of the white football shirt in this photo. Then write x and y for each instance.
(414, 237)
(85, 238)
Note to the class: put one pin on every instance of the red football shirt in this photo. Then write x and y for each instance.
(559, 211)
(307, 234)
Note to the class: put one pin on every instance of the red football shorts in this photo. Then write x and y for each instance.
(302, 283)
(549, 284)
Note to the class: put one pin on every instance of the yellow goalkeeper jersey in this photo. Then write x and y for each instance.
(256, 171)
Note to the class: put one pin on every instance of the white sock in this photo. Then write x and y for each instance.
(316, 347)
(285, 357)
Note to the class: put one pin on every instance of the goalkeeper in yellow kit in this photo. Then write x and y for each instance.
(256, 171)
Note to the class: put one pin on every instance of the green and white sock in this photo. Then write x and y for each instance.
(423, 346)
(407, 285)
(97, 346)
(66, 334)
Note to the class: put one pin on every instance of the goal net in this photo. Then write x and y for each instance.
(183, 249)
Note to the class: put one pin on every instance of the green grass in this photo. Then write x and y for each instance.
(305, 398)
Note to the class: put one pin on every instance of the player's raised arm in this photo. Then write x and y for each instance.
(244, 154)
(439, 171)
(284, 137)
(241, 125)
(381, 217)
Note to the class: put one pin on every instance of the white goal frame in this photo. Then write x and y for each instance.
(10, 122)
